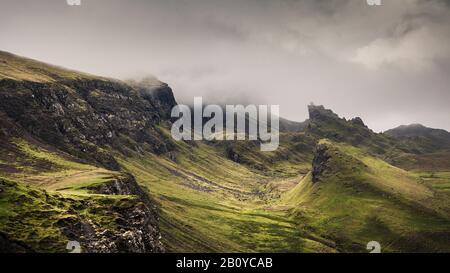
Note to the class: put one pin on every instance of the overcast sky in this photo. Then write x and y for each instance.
(389, 64)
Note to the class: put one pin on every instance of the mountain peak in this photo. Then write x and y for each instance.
(414, 129)
(318, 112)
(358, 121)
(412, 126)
(418, 130)
(158, 93)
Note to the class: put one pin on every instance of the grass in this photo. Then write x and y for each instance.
(375, 202)
(36, 218)
(54, 158)
(209, 203)
(26, 217)
(24, 69)
(35, 207)
(61, 173)
(437, 180)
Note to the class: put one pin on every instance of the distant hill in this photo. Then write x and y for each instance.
(416, 130)
(437, 137)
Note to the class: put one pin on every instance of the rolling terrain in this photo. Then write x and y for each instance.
(90, 159)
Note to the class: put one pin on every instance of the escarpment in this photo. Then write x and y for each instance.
(61, 125)
(87, 118)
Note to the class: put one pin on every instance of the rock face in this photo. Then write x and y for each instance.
(92, 119)
(122, 185)
(325, 123)
(157, 93)
(358, 121)
(9, 246)
(87, 117)
(99, 225)
(138, 230)
(320, 162)
(319, 113)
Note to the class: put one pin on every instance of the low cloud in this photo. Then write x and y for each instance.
(356, 59)
(419, 40)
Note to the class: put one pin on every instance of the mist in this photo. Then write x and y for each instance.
(387, 64)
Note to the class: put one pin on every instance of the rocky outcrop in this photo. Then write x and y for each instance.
(159, 95)
(232, 154)
(319, 113)
(87, 117)
(358, 121)
(138, 223)
(324, 123)
(92, 119)
(103, 224)
(320, 162)
(330, 162)
(121, 185)
(124, 184)
(11, 246)
(135, 231)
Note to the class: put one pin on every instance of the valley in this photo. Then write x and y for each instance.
(91, 159)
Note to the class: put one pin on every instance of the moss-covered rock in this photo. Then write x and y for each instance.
(34, 220)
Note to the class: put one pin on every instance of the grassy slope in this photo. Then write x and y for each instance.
(365, 199)
(43, 189)
(37, 165)
(34, 217)
(23, 69)
(210, 203)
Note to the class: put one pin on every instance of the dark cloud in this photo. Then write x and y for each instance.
(387, 64)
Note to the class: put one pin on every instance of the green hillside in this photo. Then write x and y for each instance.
(359, 198)
(47, 198)
(18, 68)
(91, 159)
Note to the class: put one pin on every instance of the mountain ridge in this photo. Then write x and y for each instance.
(101, 143)
(418, 131)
